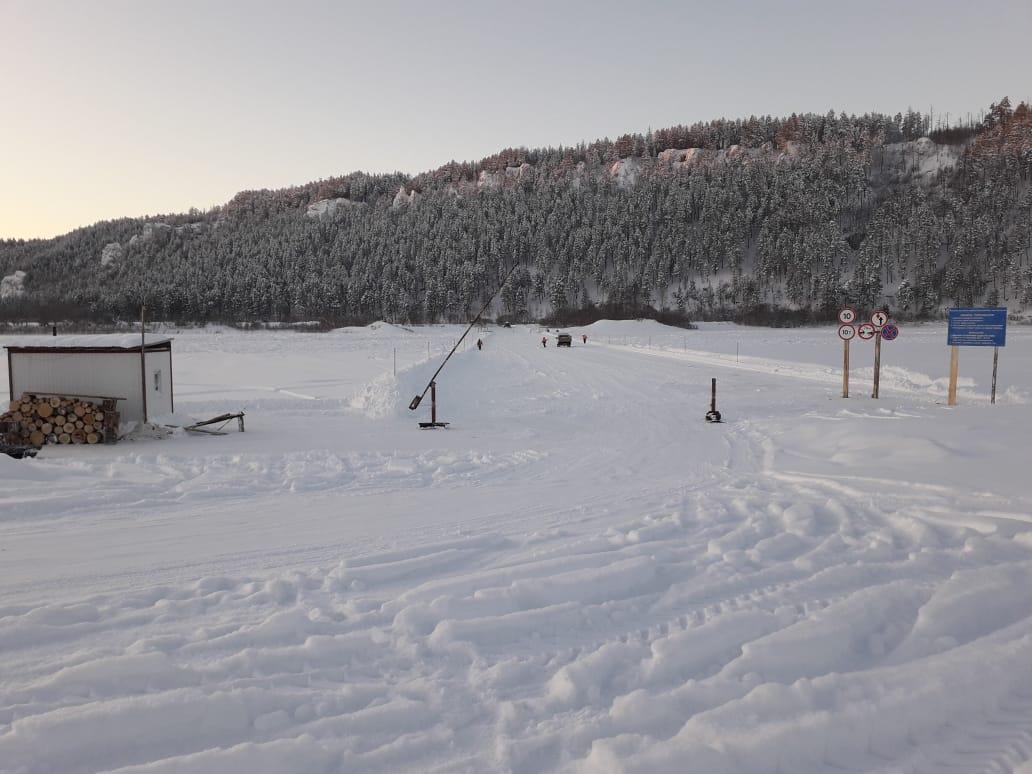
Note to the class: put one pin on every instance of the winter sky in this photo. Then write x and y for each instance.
(123, 107)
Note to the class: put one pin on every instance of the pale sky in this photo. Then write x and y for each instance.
(114, 108)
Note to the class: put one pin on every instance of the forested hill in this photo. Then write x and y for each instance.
(719, 218)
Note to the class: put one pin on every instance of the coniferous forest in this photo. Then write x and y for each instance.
(722, 219)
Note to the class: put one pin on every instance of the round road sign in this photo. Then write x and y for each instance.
(889, 331)
(879, 319)
(866, 331)
(846, 332)
(847, 316)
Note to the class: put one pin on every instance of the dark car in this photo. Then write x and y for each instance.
(564, 340)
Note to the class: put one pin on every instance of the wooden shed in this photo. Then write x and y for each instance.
(109, 365)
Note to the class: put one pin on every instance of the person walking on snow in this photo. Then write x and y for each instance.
(584, 338)
(544, 341)
(480, 344)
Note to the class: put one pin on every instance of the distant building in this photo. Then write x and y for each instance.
(103, 366)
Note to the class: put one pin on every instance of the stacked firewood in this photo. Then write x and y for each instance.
(37, 420)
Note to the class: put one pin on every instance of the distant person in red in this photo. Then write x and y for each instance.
(584, 338)
(480, 344)
(544, 341)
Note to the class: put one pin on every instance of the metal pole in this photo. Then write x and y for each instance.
(713, 394)
(433, 403)
(395, 361)
(877, 363)
(996, 361)
(845, 368)
(143, 358)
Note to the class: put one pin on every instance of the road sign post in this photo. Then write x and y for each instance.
(878, 321)
(977, 327)
(846, 331)
(845, 368)
(877, 363)
(880, 327)
(996, 363)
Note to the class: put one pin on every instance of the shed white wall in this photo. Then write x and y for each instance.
(107, 374)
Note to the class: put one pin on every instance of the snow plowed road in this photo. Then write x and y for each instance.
(579, 575)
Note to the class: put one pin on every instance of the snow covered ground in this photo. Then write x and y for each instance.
(578, 575)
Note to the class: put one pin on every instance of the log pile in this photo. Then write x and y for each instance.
(35, 420)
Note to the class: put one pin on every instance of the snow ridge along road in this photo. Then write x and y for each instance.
(579, 575)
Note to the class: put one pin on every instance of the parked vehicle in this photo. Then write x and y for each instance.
(564, 340)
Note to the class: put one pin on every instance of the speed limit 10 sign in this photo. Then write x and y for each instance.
(846, 332)
(847, 316)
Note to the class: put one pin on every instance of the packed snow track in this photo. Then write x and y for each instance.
(579, 575)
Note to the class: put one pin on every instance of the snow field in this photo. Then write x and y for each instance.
(579, 575)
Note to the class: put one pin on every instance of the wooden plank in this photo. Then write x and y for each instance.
(954, 367)
(845, 368)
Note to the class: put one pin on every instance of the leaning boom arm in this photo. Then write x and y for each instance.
(416, 400)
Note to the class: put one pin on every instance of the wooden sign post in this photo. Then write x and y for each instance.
(951, 399)
(845, 368)
(846, 332)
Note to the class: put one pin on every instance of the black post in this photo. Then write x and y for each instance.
(996, 363)
(433, 403)
(713, 415)
(877, 363)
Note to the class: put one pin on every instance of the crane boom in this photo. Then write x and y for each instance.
(418, 399)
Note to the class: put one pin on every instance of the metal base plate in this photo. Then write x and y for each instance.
(432, 425)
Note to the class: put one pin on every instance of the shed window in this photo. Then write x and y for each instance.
(157, 381)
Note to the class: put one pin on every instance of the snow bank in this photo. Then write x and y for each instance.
(578, 575)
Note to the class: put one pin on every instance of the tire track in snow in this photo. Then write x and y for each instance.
(640, 625)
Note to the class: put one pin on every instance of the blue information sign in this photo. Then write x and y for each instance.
(985, 327)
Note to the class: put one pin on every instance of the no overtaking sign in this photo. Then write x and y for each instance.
(880, 327)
